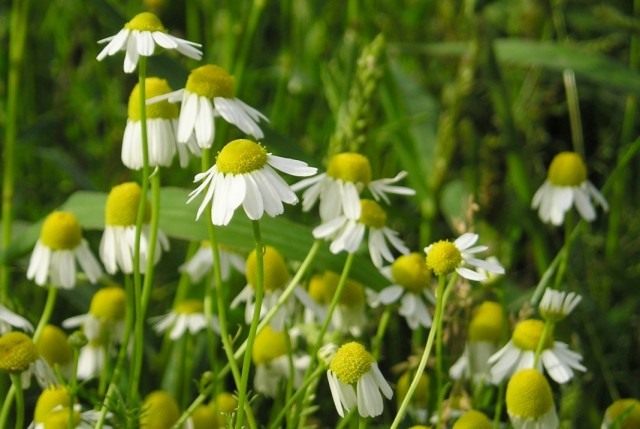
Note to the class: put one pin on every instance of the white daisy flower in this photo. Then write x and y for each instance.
(556, 305)
(53, 411)
(411, 281)
(346, 233)
(473, 419)
(187, 316)
(530, 401)
(209, 93)
(19, 355)
(338, 190)
(565, 186)
(244, 175)
(519, 353)
(105, 319)
(53, 346)
(59, 246)
(202, 261)
(9, 320)
(140, 36)
(444, 257)
(356, 381)
(117, 245)
(623, 414)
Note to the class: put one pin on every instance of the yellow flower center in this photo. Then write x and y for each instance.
(269, 344)
(50, 398)
(350, 167)
(121, 208)
(421, 395)
(204, 417)
(53, 346)
(109, 304)
(487, 322)
(159, 411)
(372, 215)
(145, 21)
(410, 272)
(275, 276)
(17, 352)
(61, 231)
(443, 257)
(351, 362)
(567, 169)
(527, 335)
(190, 306)
(59, 419)
(211, 81)
(225, 402)
(241, 156)
(629, 408)
(528, 394)
(473, 419)
(161, 110)
(323, 286)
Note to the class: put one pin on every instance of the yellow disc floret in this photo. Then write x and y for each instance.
(625, 413)
(17, 352)
(241, 156)
(160, 110)
(528, 394)
(421, 395)
(350, 167)
(159, 411)
(211, 81)
(189, 306)
(443, 257)
(527, 333)
(109, 304)
(121, 208)
(59, 419)
(372, 215)
(145, 21)
(50, 399)
(53, 346)
(269, 344)
(351, 362)
(410, 272)
(473, 419)
(487, 322)
(567, 169)
(323, 286)
(61, 231)
(276, 275)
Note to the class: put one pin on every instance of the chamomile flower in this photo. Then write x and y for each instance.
(411, 281)
(275, 279)
(9, 320)
(60, 245)
(445, 257)
(419, 404)
(54, 348)
(186, 316)
(202, 262)
(53, 409)
(117, 245)
(556, 305)
(473, 419)
(346, 233)
(530, 402)
(140, 36)
(519, 353)
(213, 415)
(19, 355)
(565, 186)
(244, 175)
(162, 122)
(356, 381)
(159, 411)
(484, 333)
(622, 414)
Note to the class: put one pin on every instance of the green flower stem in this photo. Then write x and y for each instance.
(253, 328)
(106, 368)
(437, 325)
(16, 380)
(296, 396)
(547, 331)
(73, 386)
(52, 294)
(497, 413)
(382, 328)
(17, 32)
(292, 369)
(187, 368)
(6, 406)
(440, 387)
(257, 7)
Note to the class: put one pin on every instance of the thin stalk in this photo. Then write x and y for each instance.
(573, 103)
(106, 369)
(497, 412)
(6, 406)
(296, 396)
(73, 386)
(253, 328)
(16, 380)
(52, 294)
(382, 328)
(547, 331)
(257, 7)
(439, 372)
(290, 379)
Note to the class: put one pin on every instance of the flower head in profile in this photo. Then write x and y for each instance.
(338, 190)
(54, 410)
(473, 419)
(213, 415)
(556, 305)
(445, 257)
(202, 261)
(187, 316)
(346, 233)
(159, 410)
(54, 348)
(140, 36)
(244, 175)
(19, 355)
(622, 414)
(10, 320)
(530, 401)
(519, 353)
(118, 240)
(565, 186)
(60, 245)
(356, 381)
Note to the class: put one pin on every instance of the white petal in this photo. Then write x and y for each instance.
(390, 294)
